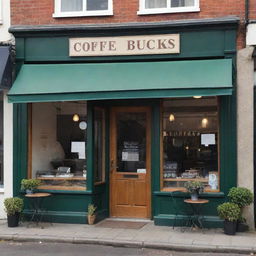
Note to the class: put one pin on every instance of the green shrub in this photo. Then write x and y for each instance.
(13, 205)
(91, 209)
(194, 186)
(29, 184)
(240, 196)
(229, 211)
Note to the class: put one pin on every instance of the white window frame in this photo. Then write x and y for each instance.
(1, 12)
(168, 9)
(59, 14)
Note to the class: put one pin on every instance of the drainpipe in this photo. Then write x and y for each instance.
(246, 16)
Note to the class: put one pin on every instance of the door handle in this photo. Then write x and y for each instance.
(112, 166)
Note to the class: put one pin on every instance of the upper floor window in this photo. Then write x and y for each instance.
(168, 6)
(73, 8)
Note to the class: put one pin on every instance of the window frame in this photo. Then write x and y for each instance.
(168, 9)
(1, 12)
(170, 189)
(103, 164)
(58, 14)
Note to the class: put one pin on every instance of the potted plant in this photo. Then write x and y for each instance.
(194, 188)
(13, 208)
(29, 185)
(91, 214)
(242, 197)
(230, 212)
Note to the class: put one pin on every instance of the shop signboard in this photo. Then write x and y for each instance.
(124, 45)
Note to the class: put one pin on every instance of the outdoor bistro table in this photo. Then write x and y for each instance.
(36, 200)
(196, 218)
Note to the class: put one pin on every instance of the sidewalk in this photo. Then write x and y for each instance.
(149, 236)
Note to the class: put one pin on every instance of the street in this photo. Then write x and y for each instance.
(61, 249)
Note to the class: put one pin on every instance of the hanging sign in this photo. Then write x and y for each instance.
(124, 45)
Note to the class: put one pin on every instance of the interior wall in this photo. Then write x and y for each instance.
(45, 146)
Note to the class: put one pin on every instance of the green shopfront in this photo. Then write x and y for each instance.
(123, 128)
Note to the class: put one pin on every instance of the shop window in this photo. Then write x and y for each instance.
(72, 8)
(1, 141)
(190, 143)
(168, 6)
(58, 139)
(99, 145)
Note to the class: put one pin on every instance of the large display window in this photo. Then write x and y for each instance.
(1, 141)
(190, 143)
(58, 139)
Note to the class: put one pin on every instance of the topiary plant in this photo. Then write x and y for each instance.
(13, 205)
(240, 196)
(229, 211)
(30, 184)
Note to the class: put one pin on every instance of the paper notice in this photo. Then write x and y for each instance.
(78, 147)
(208, 139)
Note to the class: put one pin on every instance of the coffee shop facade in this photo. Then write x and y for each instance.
(122, 115)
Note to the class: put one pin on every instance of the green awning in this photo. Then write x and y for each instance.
(98, 81)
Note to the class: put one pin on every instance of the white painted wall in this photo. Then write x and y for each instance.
(8, 153)
(5, 20)
(245, 118)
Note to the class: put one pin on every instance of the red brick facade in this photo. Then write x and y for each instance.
(35, 12)
(252, 12)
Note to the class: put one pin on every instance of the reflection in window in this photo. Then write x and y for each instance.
(131, 142)
(1, 140)
(190, 142)
(99, 145)
(59, 145)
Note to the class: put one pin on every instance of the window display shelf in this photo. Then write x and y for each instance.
(53, 187)
(61, 178)
(186, 179)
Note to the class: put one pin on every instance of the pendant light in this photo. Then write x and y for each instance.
(171, 117)
(75, 117)
(204, 122)
(197, 97)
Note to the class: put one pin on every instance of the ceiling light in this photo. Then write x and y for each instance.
(171, 117)
(197, 97)
(75, 117)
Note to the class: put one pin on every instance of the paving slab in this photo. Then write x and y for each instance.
(149, 236)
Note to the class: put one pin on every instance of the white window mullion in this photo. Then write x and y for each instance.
(84, 5)
(168, 4)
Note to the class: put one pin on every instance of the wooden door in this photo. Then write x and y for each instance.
(130, 170)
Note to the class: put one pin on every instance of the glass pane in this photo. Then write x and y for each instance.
(71, 5)
(99, 145)
(97, 5)
(155, 4)
(1, 139)
(190, 142)
(59, 145)
(182, 3)
(131, 142)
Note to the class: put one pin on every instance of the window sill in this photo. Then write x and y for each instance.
(163, 11)
(1, 190)
(87, 14)
(181, 194)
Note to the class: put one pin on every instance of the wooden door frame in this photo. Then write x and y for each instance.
(113, 149)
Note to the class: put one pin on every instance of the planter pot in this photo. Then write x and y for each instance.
(194, 196)
(29, 191)
(91, 219)
(230, 227)
(13, 220)
(242, 227)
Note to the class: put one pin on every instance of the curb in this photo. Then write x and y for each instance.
(130, 244)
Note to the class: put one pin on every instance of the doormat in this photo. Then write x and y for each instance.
(121, 224)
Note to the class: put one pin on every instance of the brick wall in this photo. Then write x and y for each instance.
(252, 6)
(39, 12)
